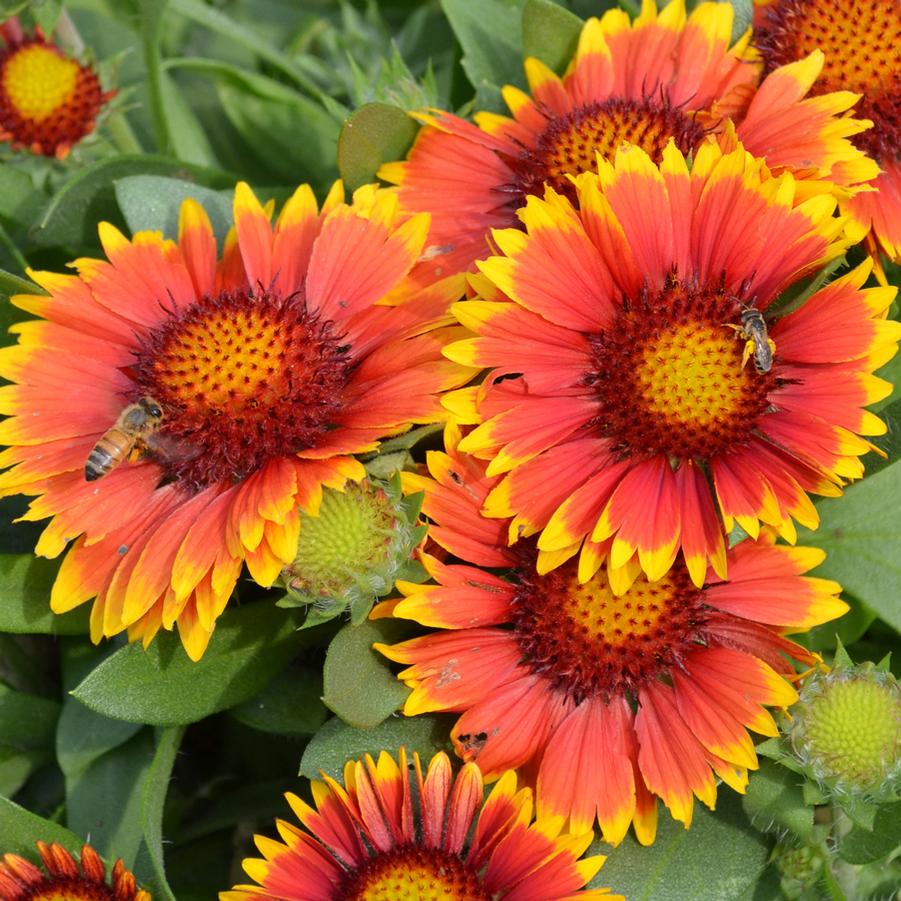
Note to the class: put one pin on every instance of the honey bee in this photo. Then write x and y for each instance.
(126, 440)
(757, 342)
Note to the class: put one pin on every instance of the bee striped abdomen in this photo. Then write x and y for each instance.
(106, 455)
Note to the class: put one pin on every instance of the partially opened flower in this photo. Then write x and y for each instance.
(607, 699)
(248, 385)
(394, 834)
(48, 100)
(618, 338)
(861, 40)
(66, 880)
(665, 76)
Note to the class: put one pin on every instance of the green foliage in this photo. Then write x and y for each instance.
(336, 742)
(550, 33)
(376, 133)
(861, 534)
(350, 663)
(718, 859)
(163, 687)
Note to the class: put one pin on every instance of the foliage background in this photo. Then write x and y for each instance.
(173, 766)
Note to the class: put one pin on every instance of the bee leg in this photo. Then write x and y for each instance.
(748, 351)
(135, 453)
(772, 345)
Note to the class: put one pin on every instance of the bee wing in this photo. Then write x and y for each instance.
(167, 449)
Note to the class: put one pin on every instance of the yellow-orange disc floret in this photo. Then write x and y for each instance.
(861, 40)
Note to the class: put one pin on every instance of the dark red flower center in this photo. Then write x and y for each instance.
(48, 101)
(413, 873)
(592, 643)
(241, 378)
(862, 43)
(669, 376)
(570, 143)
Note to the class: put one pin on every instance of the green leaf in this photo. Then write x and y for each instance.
(775, 801)
(862, 846)
(163, 687)
(152, 202)
(25, 583)
(186, 135)
(744, 14)
(550, 32)
(336, 742)
(490, 33)
(889, 443)
(242, 36)
(16, 766)
(291, 704)
(89, 197)
(153, 800)
(718, 859)
(861, 534)
(861, 810)
(104, 800)
(18, 195)
(351, 664)
(376, 133)
(13, 284)
(846, 629)
(20, 829)
(83, 736)
(296, 141)
(27, 722)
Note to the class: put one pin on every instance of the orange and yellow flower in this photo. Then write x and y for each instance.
(608, 700)
(21, 880)
(665, 76)
(861, 40)
(387, 834)
(301, 347)
(618, 374)
(48, 100)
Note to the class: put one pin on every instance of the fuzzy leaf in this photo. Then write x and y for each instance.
(863, 846)
(719, 859)
(20, 829)
(550, 32)
(490, 33)
(336, 742)
(376, 133)
(861, 534)
(152, 202)
(291, 704)
(775, 801)
(153, 799)
(351, 664)
(25, 582)
(88, 197)
(162, 686)
(27, 722)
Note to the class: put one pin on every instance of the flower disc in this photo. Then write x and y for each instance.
(48, 101)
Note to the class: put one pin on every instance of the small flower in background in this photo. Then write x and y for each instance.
(243, 386)
(357, 546)
(625, 324)
(846, 731)
(48, 100)
(609, 699)
(665, 76)
(64, 879)
(861, 40)
(389, 833)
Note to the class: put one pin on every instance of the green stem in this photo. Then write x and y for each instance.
(122, 134)
(152, 20)
(10, 246)
(632, 7)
